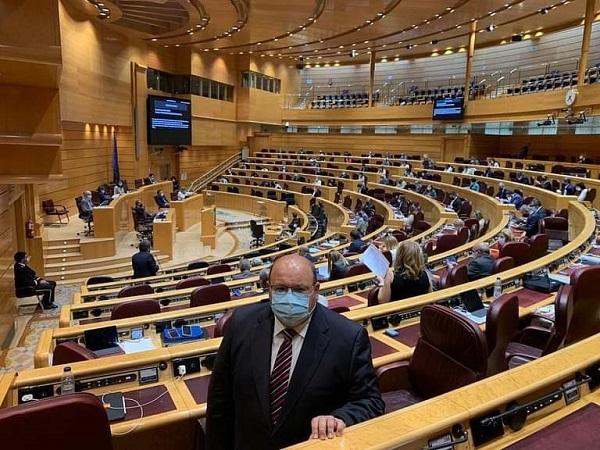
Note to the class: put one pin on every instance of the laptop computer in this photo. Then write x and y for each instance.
(103, 341)
(475, 309)
(323, 273)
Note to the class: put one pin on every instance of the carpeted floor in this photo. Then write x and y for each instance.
(20, 356)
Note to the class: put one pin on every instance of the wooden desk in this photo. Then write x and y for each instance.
(208, 229)
(164, 233)
(272, 234)
(187, 212)
(109, 220)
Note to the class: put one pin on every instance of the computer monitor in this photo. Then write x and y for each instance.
(101, 338)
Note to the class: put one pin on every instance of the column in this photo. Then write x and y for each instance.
(371, 77)
(585, 43)
(470, 53)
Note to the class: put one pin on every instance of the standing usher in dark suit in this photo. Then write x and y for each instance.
(144, 265)
(333, 376)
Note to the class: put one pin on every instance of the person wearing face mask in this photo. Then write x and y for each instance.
(119, 189)
(27, 282)
(86, 205)
(289, 370)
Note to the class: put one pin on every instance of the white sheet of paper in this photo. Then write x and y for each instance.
(375, 261)
(141, 345)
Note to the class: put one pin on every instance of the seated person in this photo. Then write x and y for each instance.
(175, 182)
(141, 213)
(151, 179)
(407, 277)
(568, 188)
(27, 281)
(474, 186)
(294, 223)
(482, 263)
(263, 279)
(536, 213)
(480, 220)
(161, 199)
(362, 222)
(504, 237)
(391, 244)
(86, 205)
(455, 202)
(183, 193)
(581, 191)
(449, 168)
(522, 178)
(454, 226)
(104, 197)
(357, 242)
(516, 199)
(338, 265)
(119, 189)
(245, 272)
(344, 175)
(502, 192)
(143, 262)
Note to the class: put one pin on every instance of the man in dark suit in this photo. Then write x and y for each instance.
(161, 199)
(357, 242)
(482, 263)
(502, 191)
(455, 203)
(144, 264)
(536, 214)
(27, 282)
(289, 370)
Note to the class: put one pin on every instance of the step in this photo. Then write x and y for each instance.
(58, 249)
(61, 242)
(92, 262)
(82, 273)
(62, 257)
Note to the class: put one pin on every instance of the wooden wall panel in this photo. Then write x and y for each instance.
(95, 84)
(429, 144)
(8, 246)
(197, 160)
(207, 132)
(560, 145)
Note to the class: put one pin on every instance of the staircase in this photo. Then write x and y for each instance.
(65, 263)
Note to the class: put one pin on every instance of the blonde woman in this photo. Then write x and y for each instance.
(504, 237)
(390, 243)
(407, 277)
(337, 264)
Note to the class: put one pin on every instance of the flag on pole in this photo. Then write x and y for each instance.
(115, 159)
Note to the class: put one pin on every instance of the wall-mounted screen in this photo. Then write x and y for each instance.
(448, 108)
(169, 121)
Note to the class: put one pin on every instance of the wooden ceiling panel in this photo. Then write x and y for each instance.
(330, 29)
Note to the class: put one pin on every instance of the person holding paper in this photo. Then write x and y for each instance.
(407, 277)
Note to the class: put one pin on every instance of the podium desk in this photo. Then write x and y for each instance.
(188, 211)
(164, 233)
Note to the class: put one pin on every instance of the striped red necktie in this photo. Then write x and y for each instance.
(280, 376)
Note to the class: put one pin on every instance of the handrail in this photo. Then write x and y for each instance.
(202, 181)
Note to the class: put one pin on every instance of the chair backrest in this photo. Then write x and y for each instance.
(192, 282)
(555, 228)
(500, 327)
(134, 309)
(197, 265)
(502, 264)
(465, 209)
(26, 426)
(519, 251)
(451, 352)
(454, 276)
(131, 291)
(447, 242)
(357, 269)
(484, 229)
(207, 295)
(223, 323)
(563, 315)
(48, 206)
(539, 246)
(583, 290)
(70, 352)
(99, 280)
(218, 268)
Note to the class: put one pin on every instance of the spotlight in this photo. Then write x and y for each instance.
(491, 27)
(353, 53)
(544, 11)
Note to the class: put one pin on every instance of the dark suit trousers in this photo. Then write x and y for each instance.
(46, 287)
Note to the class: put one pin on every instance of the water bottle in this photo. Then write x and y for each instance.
(67, 382)
(497, 288)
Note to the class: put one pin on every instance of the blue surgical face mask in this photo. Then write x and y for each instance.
(291, 308)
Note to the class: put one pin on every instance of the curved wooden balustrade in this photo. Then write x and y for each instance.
(414, 426)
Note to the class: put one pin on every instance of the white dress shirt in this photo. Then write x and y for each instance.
(297, 342)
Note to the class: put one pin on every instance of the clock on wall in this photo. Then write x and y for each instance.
(570, 97)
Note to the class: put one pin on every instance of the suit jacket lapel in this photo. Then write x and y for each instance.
(261, 361)
(313, 349)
